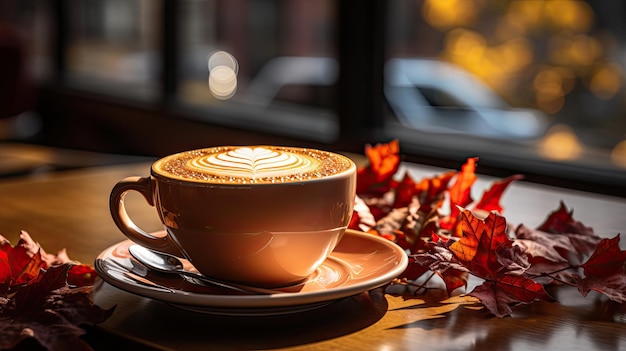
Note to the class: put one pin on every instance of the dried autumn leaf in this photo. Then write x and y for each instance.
(408, 213)
(476, 249)
(81, 275)
(49, 312)
(559, 239)
(612, 286)
(440, 259)
(513, 259)
(562, 221)
(19, 266)
(454, 279)
(608, 259)
(392, 221)
(414, 270)
(24, 268)
(384, 161)
(362, 218)
(542, 245)
(43, 307)
(431, 191)
(605, 271)
(490, 201)
(404, 191)
(460, 191)
(438, 256)
(30, 297)
(499, 296)
(486, 250)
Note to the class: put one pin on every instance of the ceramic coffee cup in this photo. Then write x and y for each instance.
(260, 215)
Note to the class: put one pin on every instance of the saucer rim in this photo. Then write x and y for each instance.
(218, 301)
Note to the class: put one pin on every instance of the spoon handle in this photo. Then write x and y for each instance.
(228, 285)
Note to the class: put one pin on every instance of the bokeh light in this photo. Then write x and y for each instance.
(524, 15)
(496, 65)
(223, 69)
(445, 14)
(551, 84)
(606, 80)
(570, 15)
(618, 154)
(560, 143)
(574, 50)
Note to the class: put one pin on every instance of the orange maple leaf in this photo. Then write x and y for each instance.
(490, 201)
(460, 191)
(384, 161)
(477, 248)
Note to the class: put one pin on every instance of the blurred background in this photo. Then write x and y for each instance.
(529, 86)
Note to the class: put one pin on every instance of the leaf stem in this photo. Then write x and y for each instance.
(423, 284)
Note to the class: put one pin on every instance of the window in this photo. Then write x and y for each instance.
(260, 58)
(543, 81)
(529, 86)
(113, 47)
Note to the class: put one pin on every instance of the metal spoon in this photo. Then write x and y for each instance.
(166, 263)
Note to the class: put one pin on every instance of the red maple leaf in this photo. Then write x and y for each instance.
(559, 245)
(488, 253)
(460, 192)
(51, 312)
(606, 260)
(613, 286)
(405, 191)
(384, 161)
(476, 249)
(476, 242)
(44, 297)
(431, 191)
(18, 265)
(490, 201)
(562, 221)
(362, 217)
(555, 247)
(440, 259)
(605, 271)
(81, 275)
(414, 270)
(499, 296)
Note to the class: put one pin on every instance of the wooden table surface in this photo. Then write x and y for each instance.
(69, 209)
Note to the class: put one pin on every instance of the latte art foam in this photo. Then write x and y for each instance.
(253, 163)
(256, 164)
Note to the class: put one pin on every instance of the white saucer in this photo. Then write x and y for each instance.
(360, 262)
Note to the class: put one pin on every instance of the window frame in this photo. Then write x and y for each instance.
(360, 106)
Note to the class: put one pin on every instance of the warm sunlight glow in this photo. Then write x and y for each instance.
(223, 69)
(606, 80)
(524, 15)
(580, 49)
(549, 92)
(465, 47)
(495, 65)
(444, 14)
(560, 143)
(571, 15)
(618, 154)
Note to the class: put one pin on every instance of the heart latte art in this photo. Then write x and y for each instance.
(254, 164)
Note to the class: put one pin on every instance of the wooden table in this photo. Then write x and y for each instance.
(69, 209)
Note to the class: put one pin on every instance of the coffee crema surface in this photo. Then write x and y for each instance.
(252, 164)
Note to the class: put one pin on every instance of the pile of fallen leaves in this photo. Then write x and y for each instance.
(45, 297)
(449, 234)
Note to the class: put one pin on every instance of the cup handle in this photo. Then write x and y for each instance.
(142, 185)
